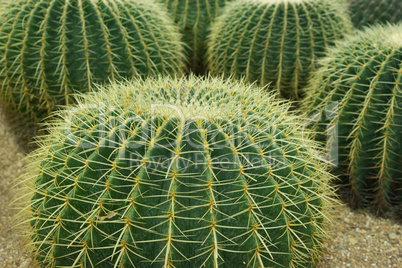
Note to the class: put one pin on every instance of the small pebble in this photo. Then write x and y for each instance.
(353, 241)
(26, 263)
(392, 236)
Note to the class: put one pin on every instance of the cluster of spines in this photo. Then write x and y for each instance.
(2, 6)
(53, 49)
(368, 12)
(125, 183)
(362, 77)
(194, 19)
(275, 42)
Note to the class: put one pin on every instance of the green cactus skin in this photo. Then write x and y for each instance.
(194, 18)
(363, 75)
(178, 173)
(53, 49)
(369, 12)
(275, 42)
(2, 6)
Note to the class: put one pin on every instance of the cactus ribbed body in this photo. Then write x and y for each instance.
(361, 80)
(179, 173)
(194, 18)
(52, 49)
(368, 12)
(275, 42)
(2, 6)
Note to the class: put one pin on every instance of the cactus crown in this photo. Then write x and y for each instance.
(395, 39)
(275, 42)
(53, 49)
(363, 76)
(178, 173)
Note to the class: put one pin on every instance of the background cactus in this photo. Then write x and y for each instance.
(363, 77)
(194, 18)
(368, 12)
(276, 41)
(52, 49)
(178, 173)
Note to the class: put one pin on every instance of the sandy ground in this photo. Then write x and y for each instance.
(359, 238)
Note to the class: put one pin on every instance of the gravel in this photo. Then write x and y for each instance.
(359, 238)
(363, 240)
(12, 250)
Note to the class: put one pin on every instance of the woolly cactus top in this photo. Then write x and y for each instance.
(379, 36)
(178, 173)
(389, 36)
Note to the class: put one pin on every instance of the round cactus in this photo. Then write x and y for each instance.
(275, 42)
(178, 173)
(368, 12)
(361, 83)
(53, 49)
(194, 18)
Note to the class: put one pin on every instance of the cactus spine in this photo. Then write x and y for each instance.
(53, 49)
(275, 42)
(363, 75)
(194, 18)
(369, 12)
(178, 173)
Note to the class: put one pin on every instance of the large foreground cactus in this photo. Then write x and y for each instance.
(194, 18)
(53, 49)
(361, 82)
(3, 4)
(275, 42)
(178, 173)
(369, 12)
